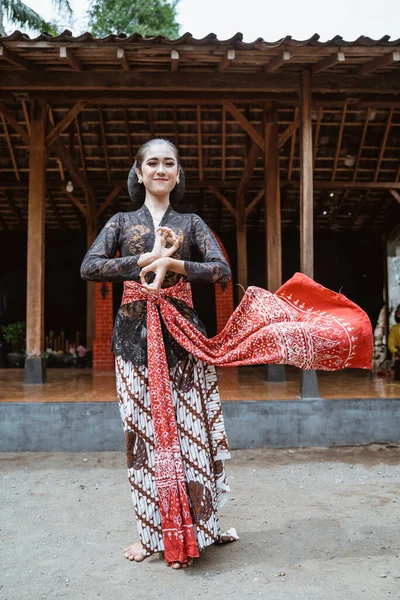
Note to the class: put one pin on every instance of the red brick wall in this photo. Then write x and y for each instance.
(223, 297)
(103, 359)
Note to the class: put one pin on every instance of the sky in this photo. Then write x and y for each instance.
(269, 19)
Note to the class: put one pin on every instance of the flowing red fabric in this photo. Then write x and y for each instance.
(303, 324)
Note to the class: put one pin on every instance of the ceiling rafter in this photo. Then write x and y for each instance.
(104, 140)
(378, 63)
(339, 142)
(14, 58)
(328, 62)
(10, 148)
(384, 142)
(65, 122)
(67, 55)
(15, 124)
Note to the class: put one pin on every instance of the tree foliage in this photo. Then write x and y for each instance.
(148, 17)
(21, 15)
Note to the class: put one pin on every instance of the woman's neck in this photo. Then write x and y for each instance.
(156, 204)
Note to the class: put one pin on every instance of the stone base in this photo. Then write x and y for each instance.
(35, 370)
(309, 389)
(275, 373)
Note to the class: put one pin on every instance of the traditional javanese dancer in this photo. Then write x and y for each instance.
(167, 388)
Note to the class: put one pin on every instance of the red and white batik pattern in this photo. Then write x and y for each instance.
(201, 451)
(303, 324)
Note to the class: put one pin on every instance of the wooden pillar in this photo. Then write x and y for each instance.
(308, 381)
(241, 244)
(306, 179)
(272, 197)
(35, 369)
(273, 237)
(91, 232)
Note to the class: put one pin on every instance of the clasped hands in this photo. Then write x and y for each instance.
(158, 260)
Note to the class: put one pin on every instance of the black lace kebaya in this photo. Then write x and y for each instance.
(132, 234)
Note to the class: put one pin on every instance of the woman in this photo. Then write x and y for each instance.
(156, 239)
(166, 384)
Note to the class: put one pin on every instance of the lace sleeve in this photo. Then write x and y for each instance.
(214, 267)
(99, 263)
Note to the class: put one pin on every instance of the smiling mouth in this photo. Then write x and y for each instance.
(160, 179)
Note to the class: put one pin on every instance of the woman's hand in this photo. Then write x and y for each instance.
(159, 267)
(163, 236)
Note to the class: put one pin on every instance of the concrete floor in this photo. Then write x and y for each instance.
(315, 524)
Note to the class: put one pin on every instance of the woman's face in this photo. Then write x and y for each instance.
(159, 169)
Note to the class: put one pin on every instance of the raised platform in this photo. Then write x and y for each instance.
(77, 411)
(236, 384)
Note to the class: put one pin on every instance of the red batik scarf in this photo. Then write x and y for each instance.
(302, 324)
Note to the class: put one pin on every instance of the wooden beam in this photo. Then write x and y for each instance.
(384, 142)
(14, 58)
(67, 55)
(199, 143)
(128, 135)
(247, 126)
(292, 147)
(15, 124)
(109, 200)
(170, 83)
(176, 129)
(272, 198)
(378, 63)
(174, 60)
(226, 60)
(306, 175)
(65, 122)
(339, 142)
(395, 195)
(223, 125)
(254, 202)
(10, 148)
(55, 210)
(13, 208)
(224, 201)
(36, 232)
(361, 146)
(328, 62)
(104, 139)
(122, 58)
(316, 135)
(80, 144)
(248, 169)
(277, 62)
(288, 133)
(26, 115)
(74, 200)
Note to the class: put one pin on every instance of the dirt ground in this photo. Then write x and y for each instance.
(315, 524)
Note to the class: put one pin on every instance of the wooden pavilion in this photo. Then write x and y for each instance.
(271, 135)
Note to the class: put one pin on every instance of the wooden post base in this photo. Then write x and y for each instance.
(35, 371)
(309, 389)
(275, 373)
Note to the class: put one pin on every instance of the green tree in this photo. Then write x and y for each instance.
(20, 15)
(148, 17)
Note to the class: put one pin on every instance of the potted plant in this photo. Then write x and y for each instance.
(15, 336)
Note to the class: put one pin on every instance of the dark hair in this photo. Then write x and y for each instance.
(397, 314)
(137, 191)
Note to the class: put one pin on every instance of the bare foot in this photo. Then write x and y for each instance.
(227, 537)
(135, 552)
(178, 565)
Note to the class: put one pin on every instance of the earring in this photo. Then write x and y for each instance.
(140, 179)
(177, 180)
